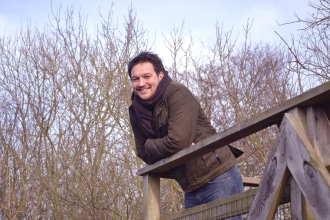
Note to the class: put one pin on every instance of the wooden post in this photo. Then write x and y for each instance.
(151, 197)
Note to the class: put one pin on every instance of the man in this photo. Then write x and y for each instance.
(166, 118)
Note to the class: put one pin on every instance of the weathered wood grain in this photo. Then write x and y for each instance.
(307, 168)
(151, 197)
(273, 181)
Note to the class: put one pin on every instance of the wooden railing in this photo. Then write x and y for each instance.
(299, 157)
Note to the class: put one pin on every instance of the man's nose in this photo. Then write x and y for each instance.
(141, 82)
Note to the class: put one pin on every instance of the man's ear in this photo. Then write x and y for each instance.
(161, 75)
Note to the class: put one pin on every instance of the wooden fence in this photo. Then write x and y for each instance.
(297, 170)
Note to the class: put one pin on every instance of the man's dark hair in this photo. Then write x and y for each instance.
(144, 57)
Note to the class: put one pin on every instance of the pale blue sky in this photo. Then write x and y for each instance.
(157, 16)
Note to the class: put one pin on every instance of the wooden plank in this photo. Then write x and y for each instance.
(250, 181)
(242, 203)
(151, 197)
(317, 96)
(273, 181)
(318, 131)
(307, 168)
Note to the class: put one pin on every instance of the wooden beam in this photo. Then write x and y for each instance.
(151, 197)
(317, 96)
(307, 168)
(300, 209)
(273, 181)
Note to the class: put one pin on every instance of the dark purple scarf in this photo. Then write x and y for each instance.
(144, 108)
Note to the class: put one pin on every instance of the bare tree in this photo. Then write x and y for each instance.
(66, 146)
(310, 48)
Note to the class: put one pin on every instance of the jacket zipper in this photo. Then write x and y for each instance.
(154, 119)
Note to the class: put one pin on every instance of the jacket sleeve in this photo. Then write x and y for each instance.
(140, 140)
(183, 109)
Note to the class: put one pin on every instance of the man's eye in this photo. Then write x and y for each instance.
(147, 77)
(134, 79)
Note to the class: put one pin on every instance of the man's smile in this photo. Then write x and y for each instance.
(143, 89)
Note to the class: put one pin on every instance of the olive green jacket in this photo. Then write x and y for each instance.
(178, 122)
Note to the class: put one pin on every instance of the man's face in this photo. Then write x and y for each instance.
(144, 80)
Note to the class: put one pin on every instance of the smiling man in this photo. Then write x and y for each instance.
(166, 118)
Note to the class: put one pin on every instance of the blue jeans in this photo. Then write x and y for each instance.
(227, 184)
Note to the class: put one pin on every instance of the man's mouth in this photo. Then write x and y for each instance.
(143, 89)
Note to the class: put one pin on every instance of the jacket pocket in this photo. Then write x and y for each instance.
(202, 165)
(161, 120)
(197, 167)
